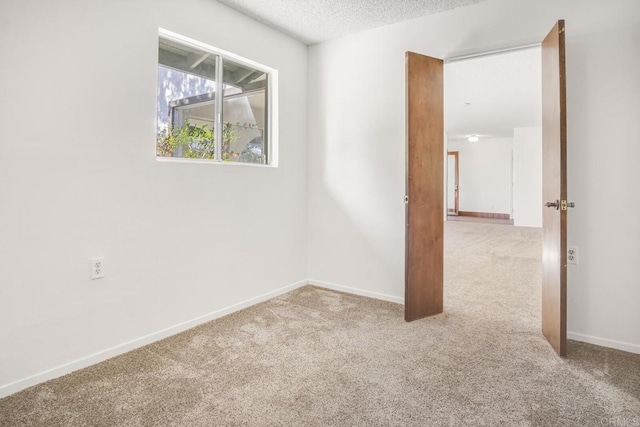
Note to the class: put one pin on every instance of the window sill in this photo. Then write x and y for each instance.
(210, 162)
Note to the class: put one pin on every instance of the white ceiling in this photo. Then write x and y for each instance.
(313, 21)
(503, 91)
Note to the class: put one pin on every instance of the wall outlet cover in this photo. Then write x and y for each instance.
(97, 267)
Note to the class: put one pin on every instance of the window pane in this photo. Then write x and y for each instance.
(186, 93)
(244, 114)
(210, 107)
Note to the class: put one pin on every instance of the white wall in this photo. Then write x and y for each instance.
(357, 149)
(527, 177)
(484, 172)
(78, 178)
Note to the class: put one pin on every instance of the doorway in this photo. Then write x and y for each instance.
(452, 183)
(425, 194)
(493, 122)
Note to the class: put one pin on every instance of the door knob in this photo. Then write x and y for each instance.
(560, 204)
(555, 204)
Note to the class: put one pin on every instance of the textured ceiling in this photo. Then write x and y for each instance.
(313, 21)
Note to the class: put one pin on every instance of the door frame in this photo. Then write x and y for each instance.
(456, 205)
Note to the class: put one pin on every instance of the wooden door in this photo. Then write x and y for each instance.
(554, 188)
(424, 239)
(453, 205)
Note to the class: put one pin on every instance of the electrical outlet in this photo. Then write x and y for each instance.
(572, 255)
(97, 268)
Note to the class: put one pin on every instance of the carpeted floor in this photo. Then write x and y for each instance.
(315, 357)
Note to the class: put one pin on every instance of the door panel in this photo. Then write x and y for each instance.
(424, 250)
(554, 146)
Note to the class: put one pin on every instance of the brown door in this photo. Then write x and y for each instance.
(554, 188)
(424, 249)
(453, 206)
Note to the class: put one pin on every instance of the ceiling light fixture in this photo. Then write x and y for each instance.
(473, 138)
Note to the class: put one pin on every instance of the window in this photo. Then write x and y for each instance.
(194, 122)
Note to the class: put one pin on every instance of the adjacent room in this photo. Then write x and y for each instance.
(206, 224)
(493, 235)
(493, 124)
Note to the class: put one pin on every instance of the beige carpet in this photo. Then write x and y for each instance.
(315, 357)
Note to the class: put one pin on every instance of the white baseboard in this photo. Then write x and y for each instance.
(631, 348)
(67, 368)
(356, 291)
(604, 342)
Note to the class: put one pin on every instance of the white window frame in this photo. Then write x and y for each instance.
(272, 101)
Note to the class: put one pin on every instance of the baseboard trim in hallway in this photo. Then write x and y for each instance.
(92, 359)
(604, 342)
